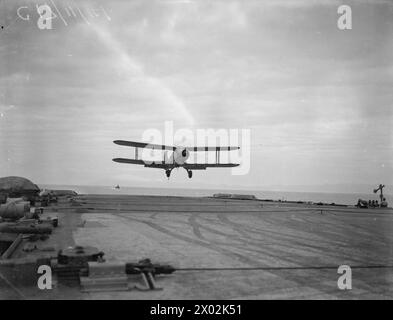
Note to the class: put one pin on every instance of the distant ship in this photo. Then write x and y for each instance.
(117, 187)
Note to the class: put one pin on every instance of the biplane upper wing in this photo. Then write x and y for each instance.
(204, 166)
(144, 145)
(170, 148)
(141, 162)
(212, 148)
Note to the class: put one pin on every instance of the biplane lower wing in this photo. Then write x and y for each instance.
(141, 162)
(212, 148)
(204, 166)
(188, 166)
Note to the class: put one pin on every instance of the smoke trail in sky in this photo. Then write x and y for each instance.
(135, 70)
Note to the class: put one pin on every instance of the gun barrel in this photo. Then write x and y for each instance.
(15, 228)
(136, 268)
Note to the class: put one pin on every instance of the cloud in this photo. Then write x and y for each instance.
(136, 75)
(314, 97)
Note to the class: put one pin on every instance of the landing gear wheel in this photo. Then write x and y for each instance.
(189, 174)
(168, 173)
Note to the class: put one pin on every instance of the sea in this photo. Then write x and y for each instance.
(337, 198)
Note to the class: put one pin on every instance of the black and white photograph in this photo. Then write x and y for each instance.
(196, 150)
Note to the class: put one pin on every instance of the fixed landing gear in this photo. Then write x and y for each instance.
(168, 173)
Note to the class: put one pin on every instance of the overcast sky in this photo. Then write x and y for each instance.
(318, 100)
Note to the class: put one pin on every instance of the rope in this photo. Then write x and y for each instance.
(283, 268)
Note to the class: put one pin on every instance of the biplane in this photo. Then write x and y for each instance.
(177, 158)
